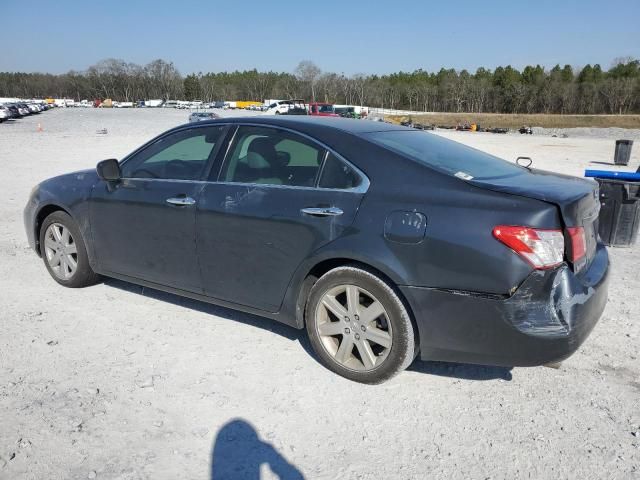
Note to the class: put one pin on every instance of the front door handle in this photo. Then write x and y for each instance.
(181, 201)
(322, 211)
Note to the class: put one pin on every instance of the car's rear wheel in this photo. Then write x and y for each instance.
(64, 252)
(358, 326)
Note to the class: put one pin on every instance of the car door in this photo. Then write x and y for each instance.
(279, 197)
(144, 225)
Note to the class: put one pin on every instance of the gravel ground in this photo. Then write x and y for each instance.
(120, 382)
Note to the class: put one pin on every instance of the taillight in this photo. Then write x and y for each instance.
(578, 243)
(541, 248)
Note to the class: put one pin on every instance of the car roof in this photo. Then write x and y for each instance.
(309, 123)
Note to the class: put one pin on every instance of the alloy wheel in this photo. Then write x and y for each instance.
(60, 251)
(354, 327)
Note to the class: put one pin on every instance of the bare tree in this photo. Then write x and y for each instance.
(308, 72)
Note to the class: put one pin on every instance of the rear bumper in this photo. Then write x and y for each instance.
(548, 317)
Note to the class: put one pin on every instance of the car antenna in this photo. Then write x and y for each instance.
(528, 165)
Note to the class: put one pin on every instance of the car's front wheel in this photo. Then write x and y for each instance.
(358, 326)
(64, 252)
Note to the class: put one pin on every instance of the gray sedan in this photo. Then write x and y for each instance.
(200, 116)
(383, 242)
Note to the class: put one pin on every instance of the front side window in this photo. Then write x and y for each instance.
(274, 157)
(180, 156)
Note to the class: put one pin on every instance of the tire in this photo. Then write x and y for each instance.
(65, 247)
(328, 334)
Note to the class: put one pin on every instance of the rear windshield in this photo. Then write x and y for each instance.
(445, 155)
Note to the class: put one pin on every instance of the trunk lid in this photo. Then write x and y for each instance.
(576, 198)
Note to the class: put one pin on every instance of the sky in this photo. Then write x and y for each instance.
(347, 36)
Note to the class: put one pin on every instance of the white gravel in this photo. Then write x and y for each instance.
(120, 382)
(612, 133)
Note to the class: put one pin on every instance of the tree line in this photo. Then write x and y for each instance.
(589, 90)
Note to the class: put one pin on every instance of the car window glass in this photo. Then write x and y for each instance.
(338, 174)
(300, 154)
(179, 156)
(272, 156)
(446, 156)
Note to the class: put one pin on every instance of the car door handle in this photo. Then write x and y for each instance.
(322, 211)
(181, 201)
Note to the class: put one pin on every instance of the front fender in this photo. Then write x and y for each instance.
(71, 193)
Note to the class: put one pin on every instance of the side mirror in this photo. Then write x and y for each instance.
(109, 170)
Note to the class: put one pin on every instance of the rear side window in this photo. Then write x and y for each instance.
(338, 174)
(270, 156)
(445, 155)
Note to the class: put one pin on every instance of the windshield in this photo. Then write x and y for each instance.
(325, 108)
(445, 155)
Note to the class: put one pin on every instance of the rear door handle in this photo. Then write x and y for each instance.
(322, 211)
(181, 201)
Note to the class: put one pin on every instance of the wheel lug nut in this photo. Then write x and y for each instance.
(346, 319)
(363, 328)
(356, 317)
(357, 337)
(347, 331)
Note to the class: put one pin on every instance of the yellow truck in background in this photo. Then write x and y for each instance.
(246, 103)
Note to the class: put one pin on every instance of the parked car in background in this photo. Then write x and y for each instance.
(383, 242)
(322, 109)
(4, 114)
(200, 116)
(296, 110)
(23, 109)
(153, 103)
(347, 112)
(13, 110)
(351, 111)
(283, 106)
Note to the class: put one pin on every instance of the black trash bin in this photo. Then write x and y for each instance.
(623, 152)
(619, 213)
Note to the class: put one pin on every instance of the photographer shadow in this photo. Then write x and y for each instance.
(238, 452)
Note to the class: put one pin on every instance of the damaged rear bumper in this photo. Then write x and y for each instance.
(544, 321)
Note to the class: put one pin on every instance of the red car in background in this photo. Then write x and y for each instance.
(319, 109)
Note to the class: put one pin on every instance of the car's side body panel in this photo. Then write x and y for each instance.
(251, 238)
(137, 233)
